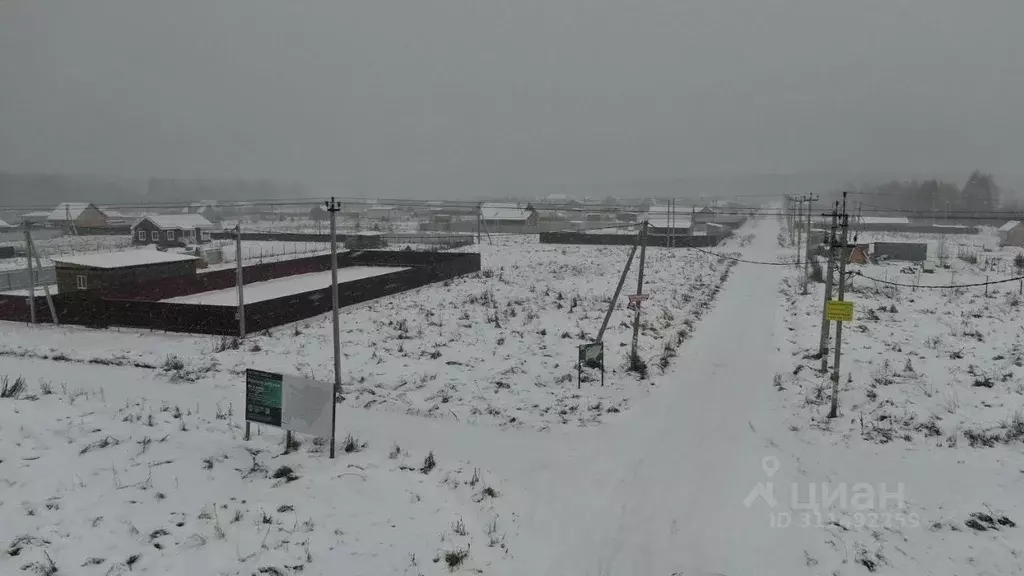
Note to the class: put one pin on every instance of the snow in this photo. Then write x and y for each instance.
(124, 259)
(176, 221)
(270, 289)
(1009, 226)
(67, 210)
(455, 349)
(117, 462)
(497, 211)
(680, 481)
(5, 224)
(894, 220)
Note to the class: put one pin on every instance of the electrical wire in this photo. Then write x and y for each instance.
(761, 262)
(932, 286)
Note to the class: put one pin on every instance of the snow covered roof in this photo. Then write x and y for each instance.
(666, 221)
(894, 220)
(495, 211)
(108, 260)
(5, 224)
(176, 221)
(40, 214)
(1009, 226)
(66, 209)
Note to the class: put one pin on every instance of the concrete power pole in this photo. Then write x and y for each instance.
(239, 280)
(834, 410)
(799, 228)
(823, 344)
(31, 275)
(633, 356)
(807, 249)
(333, 208)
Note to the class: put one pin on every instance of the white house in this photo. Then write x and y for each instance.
(497, 214)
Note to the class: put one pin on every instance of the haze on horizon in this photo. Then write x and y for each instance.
(456, 97)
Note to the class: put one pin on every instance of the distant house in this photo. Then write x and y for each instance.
(114, 218)
(209, 210)
(319, 214)
(35, 217)
(171, 229)
(76, 215)
(500, 215)
(704, 215)
(1011, 234)
(882, 223)
(103, 272)
(380, 212)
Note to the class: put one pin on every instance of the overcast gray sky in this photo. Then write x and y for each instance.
(389, 96)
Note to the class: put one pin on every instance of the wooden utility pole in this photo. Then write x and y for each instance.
(823, 344)
(639, 290)
(834, 410)
(333, 208)
(479, 216)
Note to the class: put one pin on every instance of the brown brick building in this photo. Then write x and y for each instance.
(100, 273)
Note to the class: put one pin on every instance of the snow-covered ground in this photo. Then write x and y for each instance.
(931, 391)
(111, 471)
(717, 467)
(497, 347)
(270, 289)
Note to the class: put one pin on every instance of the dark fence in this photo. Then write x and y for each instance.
(87, 309)
(438, 241)
(908, 251)
(120, 230)
(627, 239)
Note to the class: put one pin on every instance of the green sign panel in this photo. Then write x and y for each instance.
(263, 395)
(592, 355)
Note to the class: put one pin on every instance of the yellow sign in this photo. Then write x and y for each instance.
(840, 310)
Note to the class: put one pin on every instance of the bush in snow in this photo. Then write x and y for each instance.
(8, 390)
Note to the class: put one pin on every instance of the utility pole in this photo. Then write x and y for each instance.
(807, 249)
(618, 289)
(633, 358)
(239, 280)
(479, 214)
(333, 208)
(799, 228)
(31, 275)
(834, 410)
(46, 289)
(823, 344)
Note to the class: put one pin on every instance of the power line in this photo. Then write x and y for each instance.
(763, 263)
(932, 286)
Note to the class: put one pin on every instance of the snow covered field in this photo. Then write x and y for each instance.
(720, 465)
(932, 388)
(499, 347)
(110, 471)
(270, 289)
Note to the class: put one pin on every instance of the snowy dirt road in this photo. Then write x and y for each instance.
(663, 490)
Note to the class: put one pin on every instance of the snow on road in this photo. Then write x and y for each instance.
(711, 471)
(278, 287)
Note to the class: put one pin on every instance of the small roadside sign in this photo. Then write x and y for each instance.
(263, 396)
(591, 356)
(634, 298)
(840, 310)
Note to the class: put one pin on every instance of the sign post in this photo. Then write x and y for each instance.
(294, 403)
(591, 355)
(839, 311)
